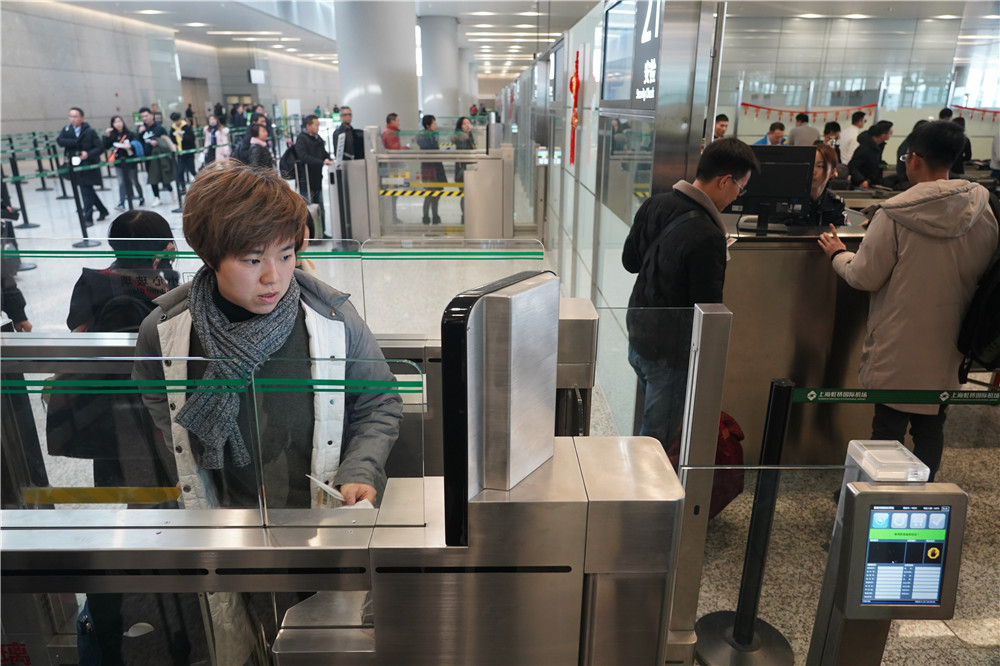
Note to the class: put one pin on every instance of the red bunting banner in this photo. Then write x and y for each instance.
(970, 112)
(814, 115)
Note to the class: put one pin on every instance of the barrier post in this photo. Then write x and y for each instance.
(725, 637)
(179, 182)
(54, 162)
(15, 173)
(86, 242)
(38, 161)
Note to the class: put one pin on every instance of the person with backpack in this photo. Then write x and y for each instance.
(677, 248)
(923, 254)
(118, 298)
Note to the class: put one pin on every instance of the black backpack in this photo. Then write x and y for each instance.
(979, 337)
(286, 165)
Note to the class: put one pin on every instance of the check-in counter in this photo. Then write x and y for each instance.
(794, 317)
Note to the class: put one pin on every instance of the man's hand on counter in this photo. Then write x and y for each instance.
(355, 492)
(831, 243)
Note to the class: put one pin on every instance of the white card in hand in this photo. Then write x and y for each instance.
(333, 492)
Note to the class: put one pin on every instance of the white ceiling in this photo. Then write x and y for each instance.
(503, 34)
(513, 29)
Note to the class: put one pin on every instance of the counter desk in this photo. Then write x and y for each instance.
(794, 317)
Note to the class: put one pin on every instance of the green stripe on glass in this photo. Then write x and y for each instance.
(901, 397)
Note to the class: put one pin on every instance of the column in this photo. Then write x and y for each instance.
(377, 46)
(465, 95)
(439, 45)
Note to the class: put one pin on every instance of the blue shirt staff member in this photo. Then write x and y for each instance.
(775, 136)
(677, 249)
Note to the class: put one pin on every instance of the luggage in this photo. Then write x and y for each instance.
(728, 483)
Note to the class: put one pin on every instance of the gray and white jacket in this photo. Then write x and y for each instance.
(353, 432)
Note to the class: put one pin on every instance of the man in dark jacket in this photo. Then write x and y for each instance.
(149, 133)
(677, 246)
(311, 152)
(345, 128)
(83, 144)
(866, 163)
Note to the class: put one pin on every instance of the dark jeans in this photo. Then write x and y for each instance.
(927, 431)
(128, 181)
(185, 166)
(91, 201)
(664, 388)
(431, 204)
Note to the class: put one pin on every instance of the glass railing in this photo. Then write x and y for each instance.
(331, 430)
(408, 283)
(666, 333)
(140, 271)
(132, 433)
(85, 434)
(473, 140)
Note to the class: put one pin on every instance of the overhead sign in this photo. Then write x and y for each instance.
(645, 51)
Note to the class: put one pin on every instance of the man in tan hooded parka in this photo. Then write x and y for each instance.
(923, 253)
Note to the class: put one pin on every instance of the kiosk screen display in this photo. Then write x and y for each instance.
(905, 554)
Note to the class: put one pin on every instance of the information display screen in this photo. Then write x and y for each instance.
(905, 554)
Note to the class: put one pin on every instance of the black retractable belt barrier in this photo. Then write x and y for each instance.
(86, 242)
(725, 637)
(38, 161)
(15, 172)
(54, 166)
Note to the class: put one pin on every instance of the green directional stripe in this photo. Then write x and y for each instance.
(902, 397)
(293, 385)
(150, 254)
(32, 176)
(484, 255)
(330, 254)
(103, 386)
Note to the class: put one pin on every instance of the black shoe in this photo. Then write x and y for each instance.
(102, 217)
(427, 220)
(327, 237)
(437, 220)
(142, 202)
(88, 223)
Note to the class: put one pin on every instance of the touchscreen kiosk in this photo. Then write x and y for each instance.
(903, 551)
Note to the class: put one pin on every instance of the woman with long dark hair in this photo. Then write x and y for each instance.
(463, 140)
(118, 139)
(431, 172)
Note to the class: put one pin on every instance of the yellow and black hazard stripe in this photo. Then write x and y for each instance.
(641, 194)
(421, 193)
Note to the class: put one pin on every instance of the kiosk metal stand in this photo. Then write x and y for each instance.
(894, 554)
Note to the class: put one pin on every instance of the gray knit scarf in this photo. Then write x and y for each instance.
(237, 349)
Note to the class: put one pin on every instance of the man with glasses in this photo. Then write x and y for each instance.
(677, 248)
(346, 129)
(923, 253)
